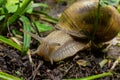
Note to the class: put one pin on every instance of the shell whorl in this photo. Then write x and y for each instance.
(81, 17)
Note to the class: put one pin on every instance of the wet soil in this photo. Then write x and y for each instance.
(13, 63)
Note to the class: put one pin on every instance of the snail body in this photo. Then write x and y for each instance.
(81, 17)
(58, 45)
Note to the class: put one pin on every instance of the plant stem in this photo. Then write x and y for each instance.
(97, 76)
(19, 12)
(97, 21)
(94, 76)
(16, 15)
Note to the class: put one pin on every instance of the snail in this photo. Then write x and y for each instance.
(57, 46)
(75, 21)
(80, 18)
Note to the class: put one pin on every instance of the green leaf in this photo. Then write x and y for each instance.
(19, 12)
(29, 8)
(12, 6)
(43, 27)
(27, 38)
(5, 76)
(10, 42)
(2, 17)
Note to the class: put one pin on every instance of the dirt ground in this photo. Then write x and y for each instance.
(13, 63)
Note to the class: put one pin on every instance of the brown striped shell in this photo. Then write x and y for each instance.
(80, 18)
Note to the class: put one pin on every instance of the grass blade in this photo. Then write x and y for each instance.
(5, 76)
(27, 38)
(94, 76)
(43, 27)
(10, 42)
(51, 19)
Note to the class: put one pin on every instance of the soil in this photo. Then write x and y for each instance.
(13, 63)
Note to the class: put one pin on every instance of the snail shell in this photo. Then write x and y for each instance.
(81, 17)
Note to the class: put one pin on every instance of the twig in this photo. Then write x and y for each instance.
(115, 63)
